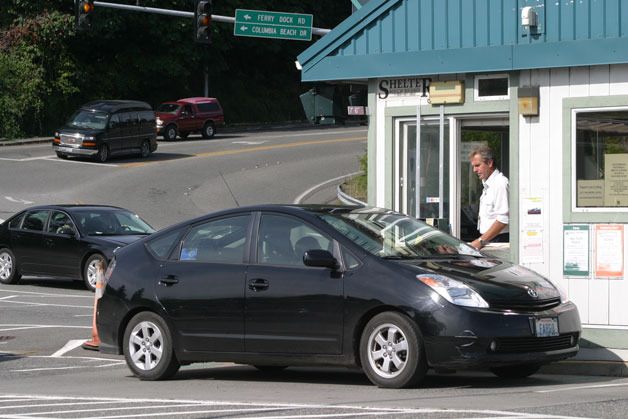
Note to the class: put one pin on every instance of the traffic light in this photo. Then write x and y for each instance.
(203, 21)
(84, 10)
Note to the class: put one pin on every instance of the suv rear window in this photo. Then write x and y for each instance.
(208, 107)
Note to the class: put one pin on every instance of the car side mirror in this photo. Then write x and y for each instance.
(320, 258)
(67, 231)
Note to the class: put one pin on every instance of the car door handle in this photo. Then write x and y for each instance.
(258, 285)
(169, 280)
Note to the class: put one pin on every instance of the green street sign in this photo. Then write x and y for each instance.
(279, 25)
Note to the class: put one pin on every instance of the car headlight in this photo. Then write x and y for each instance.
(159, 122)
(453, 291)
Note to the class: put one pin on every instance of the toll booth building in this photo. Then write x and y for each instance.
(545, 84)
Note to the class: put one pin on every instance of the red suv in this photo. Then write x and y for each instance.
(193, 114)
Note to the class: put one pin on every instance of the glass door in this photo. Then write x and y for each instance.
(423, 188)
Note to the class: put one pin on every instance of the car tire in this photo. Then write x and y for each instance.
(148, 348)
(103, 153)
(516, 371)
(392, 352)
(170, 133)
(208, 130)
(62, 156)
(145, 149)
(89, 270)
(8, 267)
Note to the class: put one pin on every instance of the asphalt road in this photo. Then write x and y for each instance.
(45, 373)
(184, 179)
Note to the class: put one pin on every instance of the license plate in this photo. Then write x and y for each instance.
(546, 327)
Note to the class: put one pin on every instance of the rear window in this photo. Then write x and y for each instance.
(208, 107)
(15, 222)
(162, 246)
(35, 220)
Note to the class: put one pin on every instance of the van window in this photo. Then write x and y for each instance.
(114, 121)
(208, 107)
(128, 118)
(146, 117)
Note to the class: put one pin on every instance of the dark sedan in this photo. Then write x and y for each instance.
(275, 286)
(65, 240)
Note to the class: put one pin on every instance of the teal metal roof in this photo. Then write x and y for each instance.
(389, 38)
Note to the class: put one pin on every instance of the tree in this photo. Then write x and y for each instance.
(47, 69)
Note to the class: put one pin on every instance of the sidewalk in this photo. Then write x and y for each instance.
(592, 361)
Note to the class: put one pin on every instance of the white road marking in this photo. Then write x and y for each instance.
(582, 387)
(249, 142)
(48, 294)
(7, 297)
(46, 304)
(26, 159)
(55, 158)
(50, 369)
(219, 407)
(82, 162)
(19, 201)
(313, 188)
(9, 327)
(70, 345)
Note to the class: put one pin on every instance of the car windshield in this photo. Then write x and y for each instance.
(90, 120)
(107, 222)
(169, 108)
(396, 236)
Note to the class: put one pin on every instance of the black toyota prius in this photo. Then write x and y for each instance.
(65, 240)
(284, 285)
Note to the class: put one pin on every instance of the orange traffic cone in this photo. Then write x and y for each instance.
(94, 343)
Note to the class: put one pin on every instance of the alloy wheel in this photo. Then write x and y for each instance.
(91, 272)
(388, 350)
(146, 346)
(6, 266)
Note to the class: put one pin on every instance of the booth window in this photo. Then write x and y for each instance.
(601, 159)
(492, 87)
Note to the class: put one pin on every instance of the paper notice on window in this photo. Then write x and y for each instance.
(609, 250)
(576, 250)
(616, 180)
(590, 193)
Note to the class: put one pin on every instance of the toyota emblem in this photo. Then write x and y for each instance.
(532, 293)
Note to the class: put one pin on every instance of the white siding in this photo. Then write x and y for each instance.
(541, 160)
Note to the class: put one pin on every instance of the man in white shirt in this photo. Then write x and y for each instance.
(493, 212)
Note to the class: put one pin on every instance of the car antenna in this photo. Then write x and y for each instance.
(230, 191)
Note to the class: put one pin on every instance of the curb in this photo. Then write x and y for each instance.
(592, 361)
